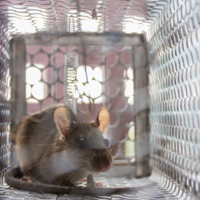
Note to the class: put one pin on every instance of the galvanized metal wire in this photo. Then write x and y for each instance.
(53, 16)
(174, 89)
(5, 105)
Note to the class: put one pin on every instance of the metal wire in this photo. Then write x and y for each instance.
(5, 105)
(174, 89)
(53, 16)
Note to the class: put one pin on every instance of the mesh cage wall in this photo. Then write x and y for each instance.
(174, 90)
(110, 84)
(54, 16)
(5, 105)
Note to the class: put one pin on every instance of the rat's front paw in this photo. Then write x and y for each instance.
(92, 183)
(98, 184)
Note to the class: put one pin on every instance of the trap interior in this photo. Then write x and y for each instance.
(100, 75)
(171, 78)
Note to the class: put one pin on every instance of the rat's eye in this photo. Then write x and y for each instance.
(106, 142)
(82, 143)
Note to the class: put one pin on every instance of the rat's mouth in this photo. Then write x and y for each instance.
(102, 169)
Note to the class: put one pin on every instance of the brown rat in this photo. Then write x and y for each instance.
(54, 146)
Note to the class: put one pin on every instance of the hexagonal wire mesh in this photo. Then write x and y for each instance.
(107, 81)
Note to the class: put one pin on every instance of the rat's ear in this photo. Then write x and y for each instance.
(103, 120)
(62, 119)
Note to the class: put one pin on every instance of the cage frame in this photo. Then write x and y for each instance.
(141, 109)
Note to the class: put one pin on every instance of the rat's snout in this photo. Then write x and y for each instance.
(101, 160)
(104, 164)
(105, 167)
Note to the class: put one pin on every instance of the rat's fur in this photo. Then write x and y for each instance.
(55, 157)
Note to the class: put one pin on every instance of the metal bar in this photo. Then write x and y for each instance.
(55, 47)
(141, 110)
(94, 39)
(18, 65)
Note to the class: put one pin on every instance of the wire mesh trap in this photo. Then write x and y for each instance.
(139, 59)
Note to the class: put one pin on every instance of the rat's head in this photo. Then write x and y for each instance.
(85, 139)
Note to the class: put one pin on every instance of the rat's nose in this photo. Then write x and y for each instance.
(105, 167)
